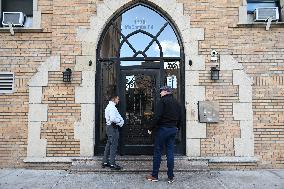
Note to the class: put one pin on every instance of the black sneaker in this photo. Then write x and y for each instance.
(115, 167)
(104, 165)
(171, 180)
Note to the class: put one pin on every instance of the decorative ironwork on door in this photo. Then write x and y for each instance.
(108, 88)
(138, 52)
(140, 90)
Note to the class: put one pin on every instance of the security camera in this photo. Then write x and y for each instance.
(214, 55)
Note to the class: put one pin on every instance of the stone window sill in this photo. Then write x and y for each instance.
(259, 25)
(21, 30)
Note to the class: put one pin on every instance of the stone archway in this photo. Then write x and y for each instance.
(190, 37)
(85, 94)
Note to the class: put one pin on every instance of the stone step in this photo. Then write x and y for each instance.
(138, 164)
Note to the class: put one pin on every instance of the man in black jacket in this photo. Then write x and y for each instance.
(166, 123)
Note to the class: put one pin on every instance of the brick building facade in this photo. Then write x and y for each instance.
(47, 120)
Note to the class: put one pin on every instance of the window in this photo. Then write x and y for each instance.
(253, 4)
(24, 6)
(138, 34)
(6, 82)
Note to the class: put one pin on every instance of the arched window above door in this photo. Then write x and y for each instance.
(137, 34)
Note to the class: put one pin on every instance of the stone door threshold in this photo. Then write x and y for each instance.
(136, 158)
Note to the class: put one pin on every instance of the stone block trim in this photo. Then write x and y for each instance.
(191, 78)
(87, 113)
(243, 18)
(190, 47)
(82, 63)
(243, 146)
(241, 78)
(227, 62)
(88, 79)
(37, 19)
(190, 38)
(36, 145)
(36, 15)
(88, 48)
(84, 131)
(245, 93)
(193, 95)
(35, 95)
(198, 62)
(85, 95)
(37, 110)
(240, 114)
(195, 130)
(40, 79)
(196, 34)
(193, 147)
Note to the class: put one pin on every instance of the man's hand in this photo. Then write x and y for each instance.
(149, 132)
(120, 124)
(114, 125)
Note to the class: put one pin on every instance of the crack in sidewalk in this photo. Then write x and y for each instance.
(222, 184)
(60, 180)
(276, 174)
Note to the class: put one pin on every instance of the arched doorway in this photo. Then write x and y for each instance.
(139, 51)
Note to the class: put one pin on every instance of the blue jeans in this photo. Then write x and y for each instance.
(164, 136)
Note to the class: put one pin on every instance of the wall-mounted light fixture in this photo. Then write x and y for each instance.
(67, 75)
(215, 73)
(190, 62)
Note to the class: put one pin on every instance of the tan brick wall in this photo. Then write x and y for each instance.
(20, 54)
(68, 16)
(62, 113)
(263, 59)
(219, 141)
(261, 52)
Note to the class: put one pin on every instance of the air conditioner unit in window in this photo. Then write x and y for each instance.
(14, 18)
(264, 13)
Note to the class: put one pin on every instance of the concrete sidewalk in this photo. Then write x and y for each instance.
(49, 179)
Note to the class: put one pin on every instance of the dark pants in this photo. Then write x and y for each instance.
(164, 136)
(111, 145)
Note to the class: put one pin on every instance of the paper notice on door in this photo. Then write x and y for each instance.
(172, 81)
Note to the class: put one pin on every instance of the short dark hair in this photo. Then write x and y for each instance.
(112, 97)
